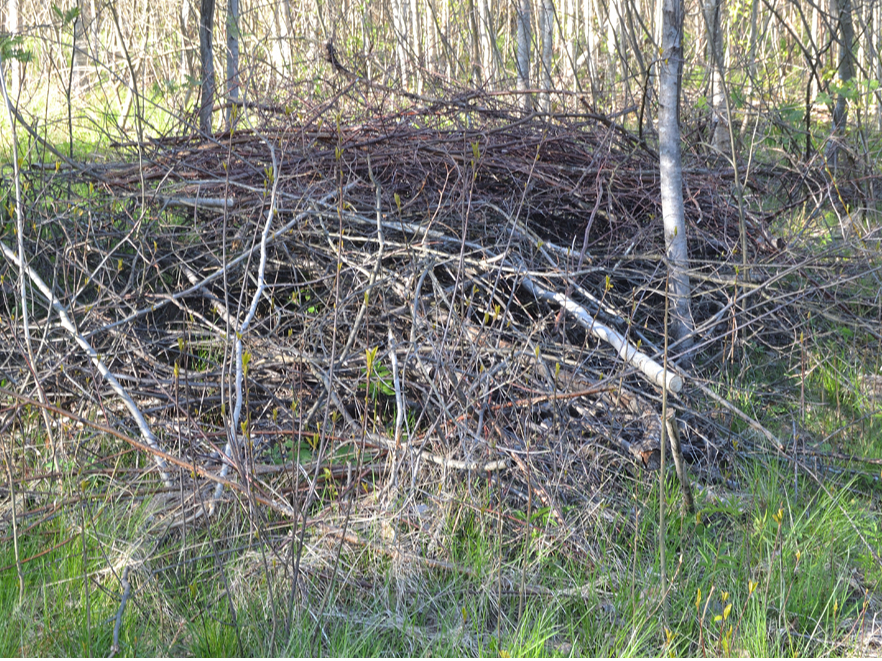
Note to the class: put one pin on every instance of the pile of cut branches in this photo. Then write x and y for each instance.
(315, 310)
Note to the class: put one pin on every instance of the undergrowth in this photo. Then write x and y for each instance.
(778, 566)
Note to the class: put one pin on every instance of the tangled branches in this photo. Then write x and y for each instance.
(320, 308)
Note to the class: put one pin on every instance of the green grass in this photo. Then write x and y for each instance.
(777, 567)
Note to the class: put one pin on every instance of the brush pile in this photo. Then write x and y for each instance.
(326, 308)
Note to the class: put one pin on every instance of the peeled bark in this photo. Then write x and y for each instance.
(671, 171)
(206, 100)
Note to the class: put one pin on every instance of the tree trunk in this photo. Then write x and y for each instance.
(751, 43)
(232, 83)
(474, 43)
(523, 53)
(81, 30)
(449, 52)
(186, 53)
(281, 55)
(845, 73)
(816, 45)
(417, 46)
(546, 35)
(487, 28)
(719, 122)
(613, 27)
(569, 39)
(589, 56)
(874, 35)
(671, 170)
(431, 36)
(15, 67)
(206, 29)
(399, 24)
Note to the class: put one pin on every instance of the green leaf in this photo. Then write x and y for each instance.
(68, 16)
(11, 48)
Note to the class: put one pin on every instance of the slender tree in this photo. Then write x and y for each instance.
(613, 28)
(546, 36)
(524, 39)
(670, 69)
(589, 55)
(206, 29)
(399, 25)
(845, 73)
(416, 45)
(15, 67)
(232, 83)
(719, 123)
(487, 28)
(80, 72)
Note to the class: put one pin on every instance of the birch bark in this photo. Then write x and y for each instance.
(523, 52)
(671, 170)
(546, 35)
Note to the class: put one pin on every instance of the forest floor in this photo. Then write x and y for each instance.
(410, 321)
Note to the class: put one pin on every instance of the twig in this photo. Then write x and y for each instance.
(127, 589)
(679, 463)
(243, 328)
(121, 392)
(627, 352)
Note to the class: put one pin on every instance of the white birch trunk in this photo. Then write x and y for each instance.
(546, 36)
(431, 31)
(671, 170)
(416, 44)
(613, 28)
(487, 29)
(281, 55)
(719, 122)
(568, 39)
(15, 67)
(186, 52)
(399, 24)
(589, 57)
(523, 52)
